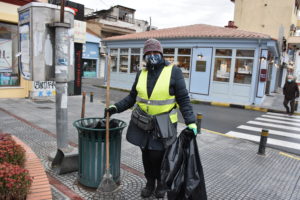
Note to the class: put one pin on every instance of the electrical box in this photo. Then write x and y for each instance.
(37, 41)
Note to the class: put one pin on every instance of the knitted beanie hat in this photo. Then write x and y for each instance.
(152, 45)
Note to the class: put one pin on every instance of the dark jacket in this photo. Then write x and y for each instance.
(177, 88)
(290, 90)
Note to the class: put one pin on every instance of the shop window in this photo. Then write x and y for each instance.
(222, 69)
(114, 51)
(184, 51)
(114, 59)
(135, 51)
(184, 61)
(135, 60)
(243, 66)
(123, 60)
(89, 68)
(169, 58)
(9, 72)
(169, 50)
(184, 64)
(223, 52)
(245, 53)
(169, 54)
(124, 51)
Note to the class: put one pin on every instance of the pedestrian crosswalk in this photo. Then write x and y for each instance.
(284, 131)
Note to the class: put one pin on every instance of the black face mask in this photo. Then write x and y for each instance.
(153, 59)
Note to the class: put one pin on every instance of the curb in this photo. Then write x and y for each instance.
(246, 107)
(40, 187)
(221, 104)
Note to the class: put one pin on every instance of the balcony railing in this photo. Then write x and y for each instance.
(114, 18)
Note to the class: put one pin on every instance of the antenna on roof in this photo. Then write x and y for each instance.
(149, 29)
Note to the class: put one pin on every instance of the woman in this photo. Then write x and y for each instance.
(290, 92)
(158, 88)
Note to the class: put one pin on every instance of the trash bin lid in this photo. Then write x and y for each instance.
(94, 120)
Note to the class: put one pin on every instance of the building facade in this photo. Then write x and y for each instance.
(12, 85)
(118, 20)
(219, 64)
(91, 57)
(16, 54)
(272, 17)
(278, 18)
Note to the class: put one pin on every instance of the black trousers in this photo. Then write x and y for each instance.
(152, 162)
(292, 105)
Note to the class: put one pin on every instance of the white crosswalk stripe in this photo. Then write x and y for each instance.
(282, 118)
(284, 131)
(271, 131)
(285, 115)
(270, 140)
(274, 125)
(277, 121)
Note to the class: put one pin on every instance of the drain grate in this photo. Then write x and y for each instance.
(42, 101)
(44, 108)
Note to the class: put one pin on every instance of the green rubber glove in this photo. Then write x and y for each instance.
(193, 127)
(112, 109)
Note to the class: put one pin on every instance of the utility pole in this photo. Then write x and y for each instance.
(66, 158)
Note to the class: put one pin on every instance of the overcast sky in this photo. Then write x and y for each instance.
(172, 13)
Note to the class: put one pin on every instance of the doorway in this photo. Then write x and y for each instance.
(200, 71)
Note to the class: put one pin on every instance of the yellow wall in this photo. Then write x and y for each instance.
(9, 13)
(21, 91)
(265, 16)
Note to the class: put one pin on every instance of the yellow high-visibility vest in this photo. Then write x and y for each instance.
(160, 100)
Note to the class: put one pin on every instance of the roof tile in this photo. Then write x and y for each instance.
(191, 31)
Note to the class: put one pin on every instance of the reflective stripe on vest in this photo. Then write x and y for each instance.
(160, 100)
(155, 102)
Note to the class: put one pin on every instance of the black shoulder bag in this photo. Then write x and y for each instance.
(142, 120)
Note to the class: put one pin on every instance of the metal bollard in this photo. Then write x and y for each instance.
(263, 142)
(83, 104)
(92, 97)
(199, 119)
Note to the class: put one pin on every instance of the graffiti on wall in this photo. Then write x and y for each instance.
(43, 89)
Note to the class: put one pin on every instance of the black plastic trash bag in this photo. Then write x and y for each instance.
(101, 124)
(181, 170)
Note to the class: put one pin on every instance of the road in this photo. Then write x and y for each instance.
(246, 124)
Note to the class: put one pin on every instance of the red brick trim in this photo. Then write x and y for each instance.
(40, 188)
(132, 170)
(62, 188)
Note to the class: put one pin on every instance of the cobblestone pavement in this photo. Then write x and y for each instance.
(232, 168)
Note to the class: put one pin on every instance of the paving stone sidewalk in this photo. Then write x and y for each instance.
(232, 168)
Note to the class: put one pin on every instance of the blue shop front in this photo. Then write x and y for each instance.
(90, 56)
(219, 64)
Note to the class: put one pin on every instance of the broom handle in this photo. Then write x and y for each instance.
(107, 116)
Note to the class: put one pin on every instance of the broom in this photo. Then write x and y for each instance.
(107, 184)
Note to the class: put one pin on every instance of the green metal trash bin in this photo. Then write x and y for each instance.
(92, 151)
